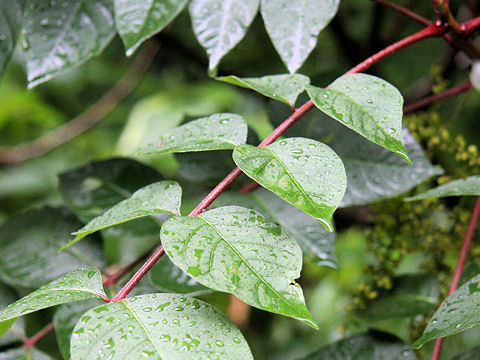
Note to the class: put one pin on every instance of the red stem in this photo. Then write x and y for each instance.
(30, 342)
(407, 12)
(436, 97)
(471, 26)
(460, 265)
(431, 30)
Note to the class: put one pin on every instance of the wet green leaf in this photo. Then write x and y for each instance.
(373, 345)
(220, 25)
(460, 187)
(318, 245)
(294, 26)
(214, 132)
(157, 326)
(366, 104)
(137, 21)
(39, 233)
(233, 249)
(8, 296)
(60, 35)
(457, 313)
(10, 25)
(284, 88)
(163, 197)
(80, 284)
(24, 353)
(304, 172)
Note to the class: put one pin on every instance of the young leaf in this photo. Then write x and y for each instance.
(60, 35)
(137, 21)
(78, 285)
(39, 234)
(368, 105)
(214, 132)
(304, 172)
(24, 353)
(284, 88)
(233, 249)
(10, 25)
(373, 345)
(460, 187)
(457, 313)
(317, 244)
(158, 198)
(159, 326)
(293, 26)
(219, 25)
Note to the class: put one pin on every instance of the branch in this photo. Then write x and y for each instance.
(461, 263)
(404, 11)
(32, 341)
(437, 97)
(471, 26)
(431, 30)
(91, 116)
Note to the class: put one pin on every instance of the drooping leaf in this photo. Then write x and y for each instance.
(219, 25)
(457, 313)
(293, 26)
(60, 35)
(157, 326)
(137, 21)
(233, 249)
(460, 187)
(91, 190)
(318, 245)
(284, 88)
(163, 197)
(8, 296)
(165, 276)
(214, 132)
(10, 25)
(366, 104)
(412, 294)
(468, 354)
(24, 353)
(373, 345)
(304, 172)
(39, 233)
(80, 284)
(65, 319)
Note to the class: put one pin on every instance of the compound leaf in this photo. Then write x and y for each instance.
(157, 326)
(460, 187)
(233, 249)
(304, 172)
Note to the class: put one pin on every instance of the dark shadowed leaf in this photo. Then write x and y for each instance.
(468, 354)
(10, 25)
(24, 353)
(460, 187)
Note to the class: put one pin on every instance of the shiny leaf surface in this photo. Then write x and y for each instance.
(304, 172)
(460, 187)
(233, 249)
(284, 88)
(137, 21)
(10, 25)
(366, 104)
(214, 132)
(157, 326)
(293, 26)
(219, 25)
(60, 35)
(8, 296)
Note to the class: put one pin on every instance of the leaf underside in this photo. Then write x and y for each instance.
(460, 187)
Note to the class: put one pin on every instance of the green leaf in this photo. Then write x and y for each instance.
(368, 105)
(318, 245)
(24, 353)
(8, 296)
(412, 295)
(294, 26)
(137, 21)
(60, 35)
(206, 167)
(468, 354)
(163, 197)
(284, 88)
(65, 319)
(93, 189)
(304, 172)
(219, 25)
(457, 313)
(158, 326)
(165, 276)
(78, 285)
(214, 132)
(10, 25)
(373, 345)
(233, 249)
(460, 187)
(39, 233)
